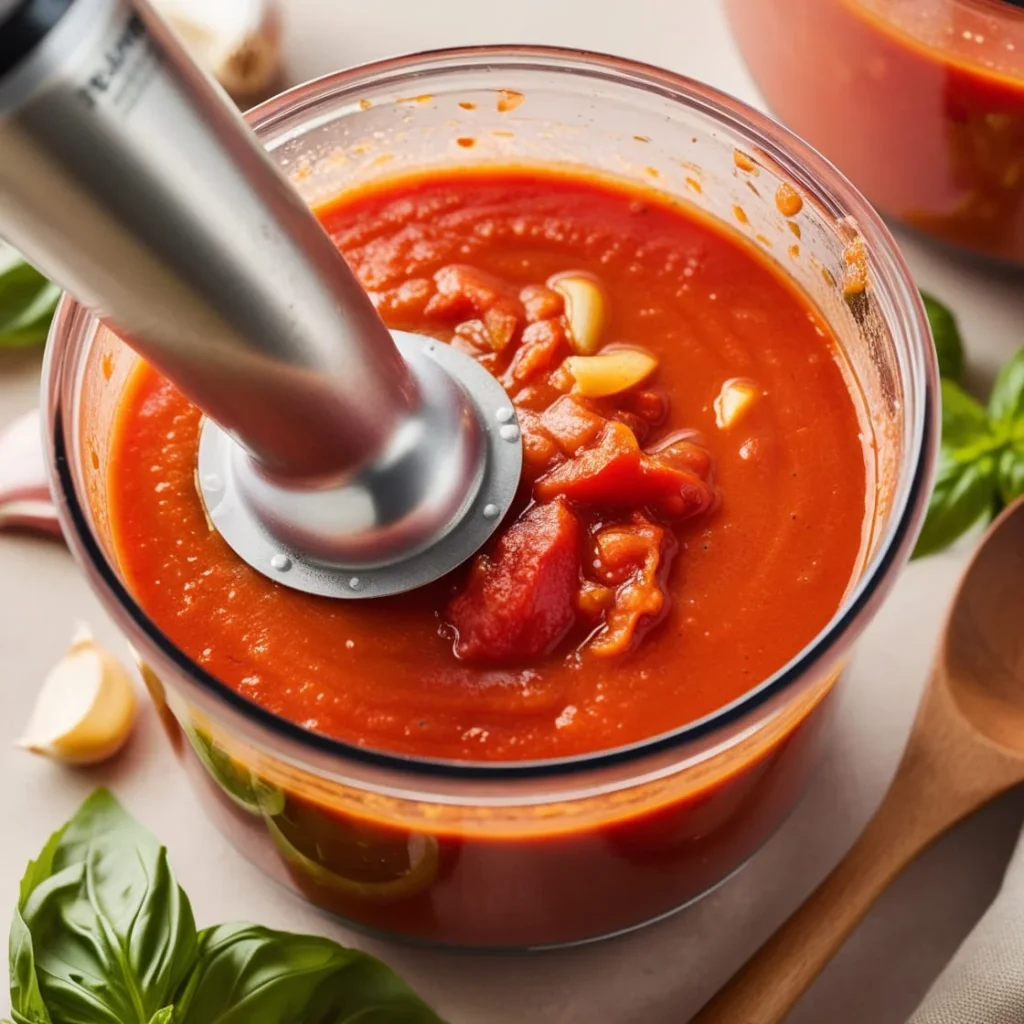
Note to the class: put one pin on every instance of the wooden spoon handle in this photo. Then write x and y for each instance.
(770, 983)
(946, 773)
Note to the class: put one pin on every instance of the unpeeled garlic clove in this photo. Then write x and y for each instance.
(86, 707)
(237, 41)
(24, 490)
(733, 400)
(586, 310)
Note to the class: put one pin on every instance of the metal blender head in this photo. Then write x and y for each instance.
(335, 457)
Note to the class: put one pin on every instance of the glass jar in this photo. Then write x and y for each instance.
(920, 102)
(533, 854)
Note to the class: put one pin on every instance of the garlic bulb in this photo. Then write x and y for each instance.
(86, 707)
(237, 41)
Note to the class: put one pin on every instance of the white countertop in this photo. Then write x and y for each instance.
(662, 974)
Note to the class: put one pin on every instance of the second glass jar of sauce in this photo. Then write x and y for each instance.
(919, 102)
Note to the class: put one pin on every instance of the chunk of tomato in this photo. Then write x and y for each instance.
(635, 557)
(616, 473)
(520, 600)
(462, 291)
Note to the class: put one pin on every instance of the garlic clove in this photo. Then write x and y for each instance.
(610, 372)
(86, 707)
(24, 489)
(586, 310)
(735, 398)
(237, 41)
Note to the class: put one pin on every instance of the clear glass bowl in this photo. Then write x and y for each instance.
(530, 854)
(920, 102)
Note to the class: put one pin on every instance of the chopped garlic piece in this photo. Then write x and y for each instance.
(86, 707)
(733, 400)
(611, 372)
(586, 310)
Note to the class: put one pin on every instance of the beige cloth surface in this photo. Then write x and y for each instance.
(984, 982)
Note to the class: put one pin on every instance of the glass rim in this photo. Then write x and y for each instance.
(789, 153)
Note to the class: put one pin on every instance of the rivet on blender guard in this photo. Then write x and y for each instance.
(281, 562)
(504, 414)
(491, 511)
(509, 432)
(355, 583)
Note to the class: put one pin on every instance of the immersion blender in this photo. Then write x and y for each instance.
(336, 456)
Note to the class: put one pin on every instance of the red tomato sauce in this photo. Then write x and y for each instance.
(656, 565)
(920, 102)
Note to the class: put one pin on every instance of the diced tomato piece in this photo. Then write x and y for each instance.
(540, 347)
(536, 397)
(571, 425)
(501, 324)
(475, 333)
(684, 452)
(541, 303)
(519, 602)
(463, 292)
(593, 600)
(652, 404)
(561, 379)
(617, 473)
(406, 301)
(635, 556)
(560, 430)
(642, 409)
(640, 427)
(540, 452)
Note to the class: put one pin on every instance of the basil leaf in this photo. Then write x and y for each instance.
(964, 493)
(949, 346)
(112, 932)
(103, 935)
(252, 975)
(1006, 404)
(27, 301)
(964, 419)
(27, 1004)
(1011, 473)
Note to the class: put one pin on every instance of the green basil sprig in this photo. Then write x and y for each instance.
(103, 934)
(981, 462)
(949, 346)
(27, 301)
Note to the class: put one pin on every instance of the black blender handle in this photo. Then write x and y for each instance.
(24, 25)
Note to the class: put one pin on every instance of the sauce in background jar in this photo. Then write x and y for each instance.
(919, 102)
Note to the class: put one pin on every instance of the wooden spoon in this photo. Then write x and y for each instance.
(966, 747)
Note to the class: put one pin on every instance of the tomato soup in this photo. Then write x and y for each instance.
(919, 102)
(690, 517)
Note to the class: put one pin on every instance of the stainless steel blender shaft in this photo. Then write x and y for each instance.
(128, 178)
